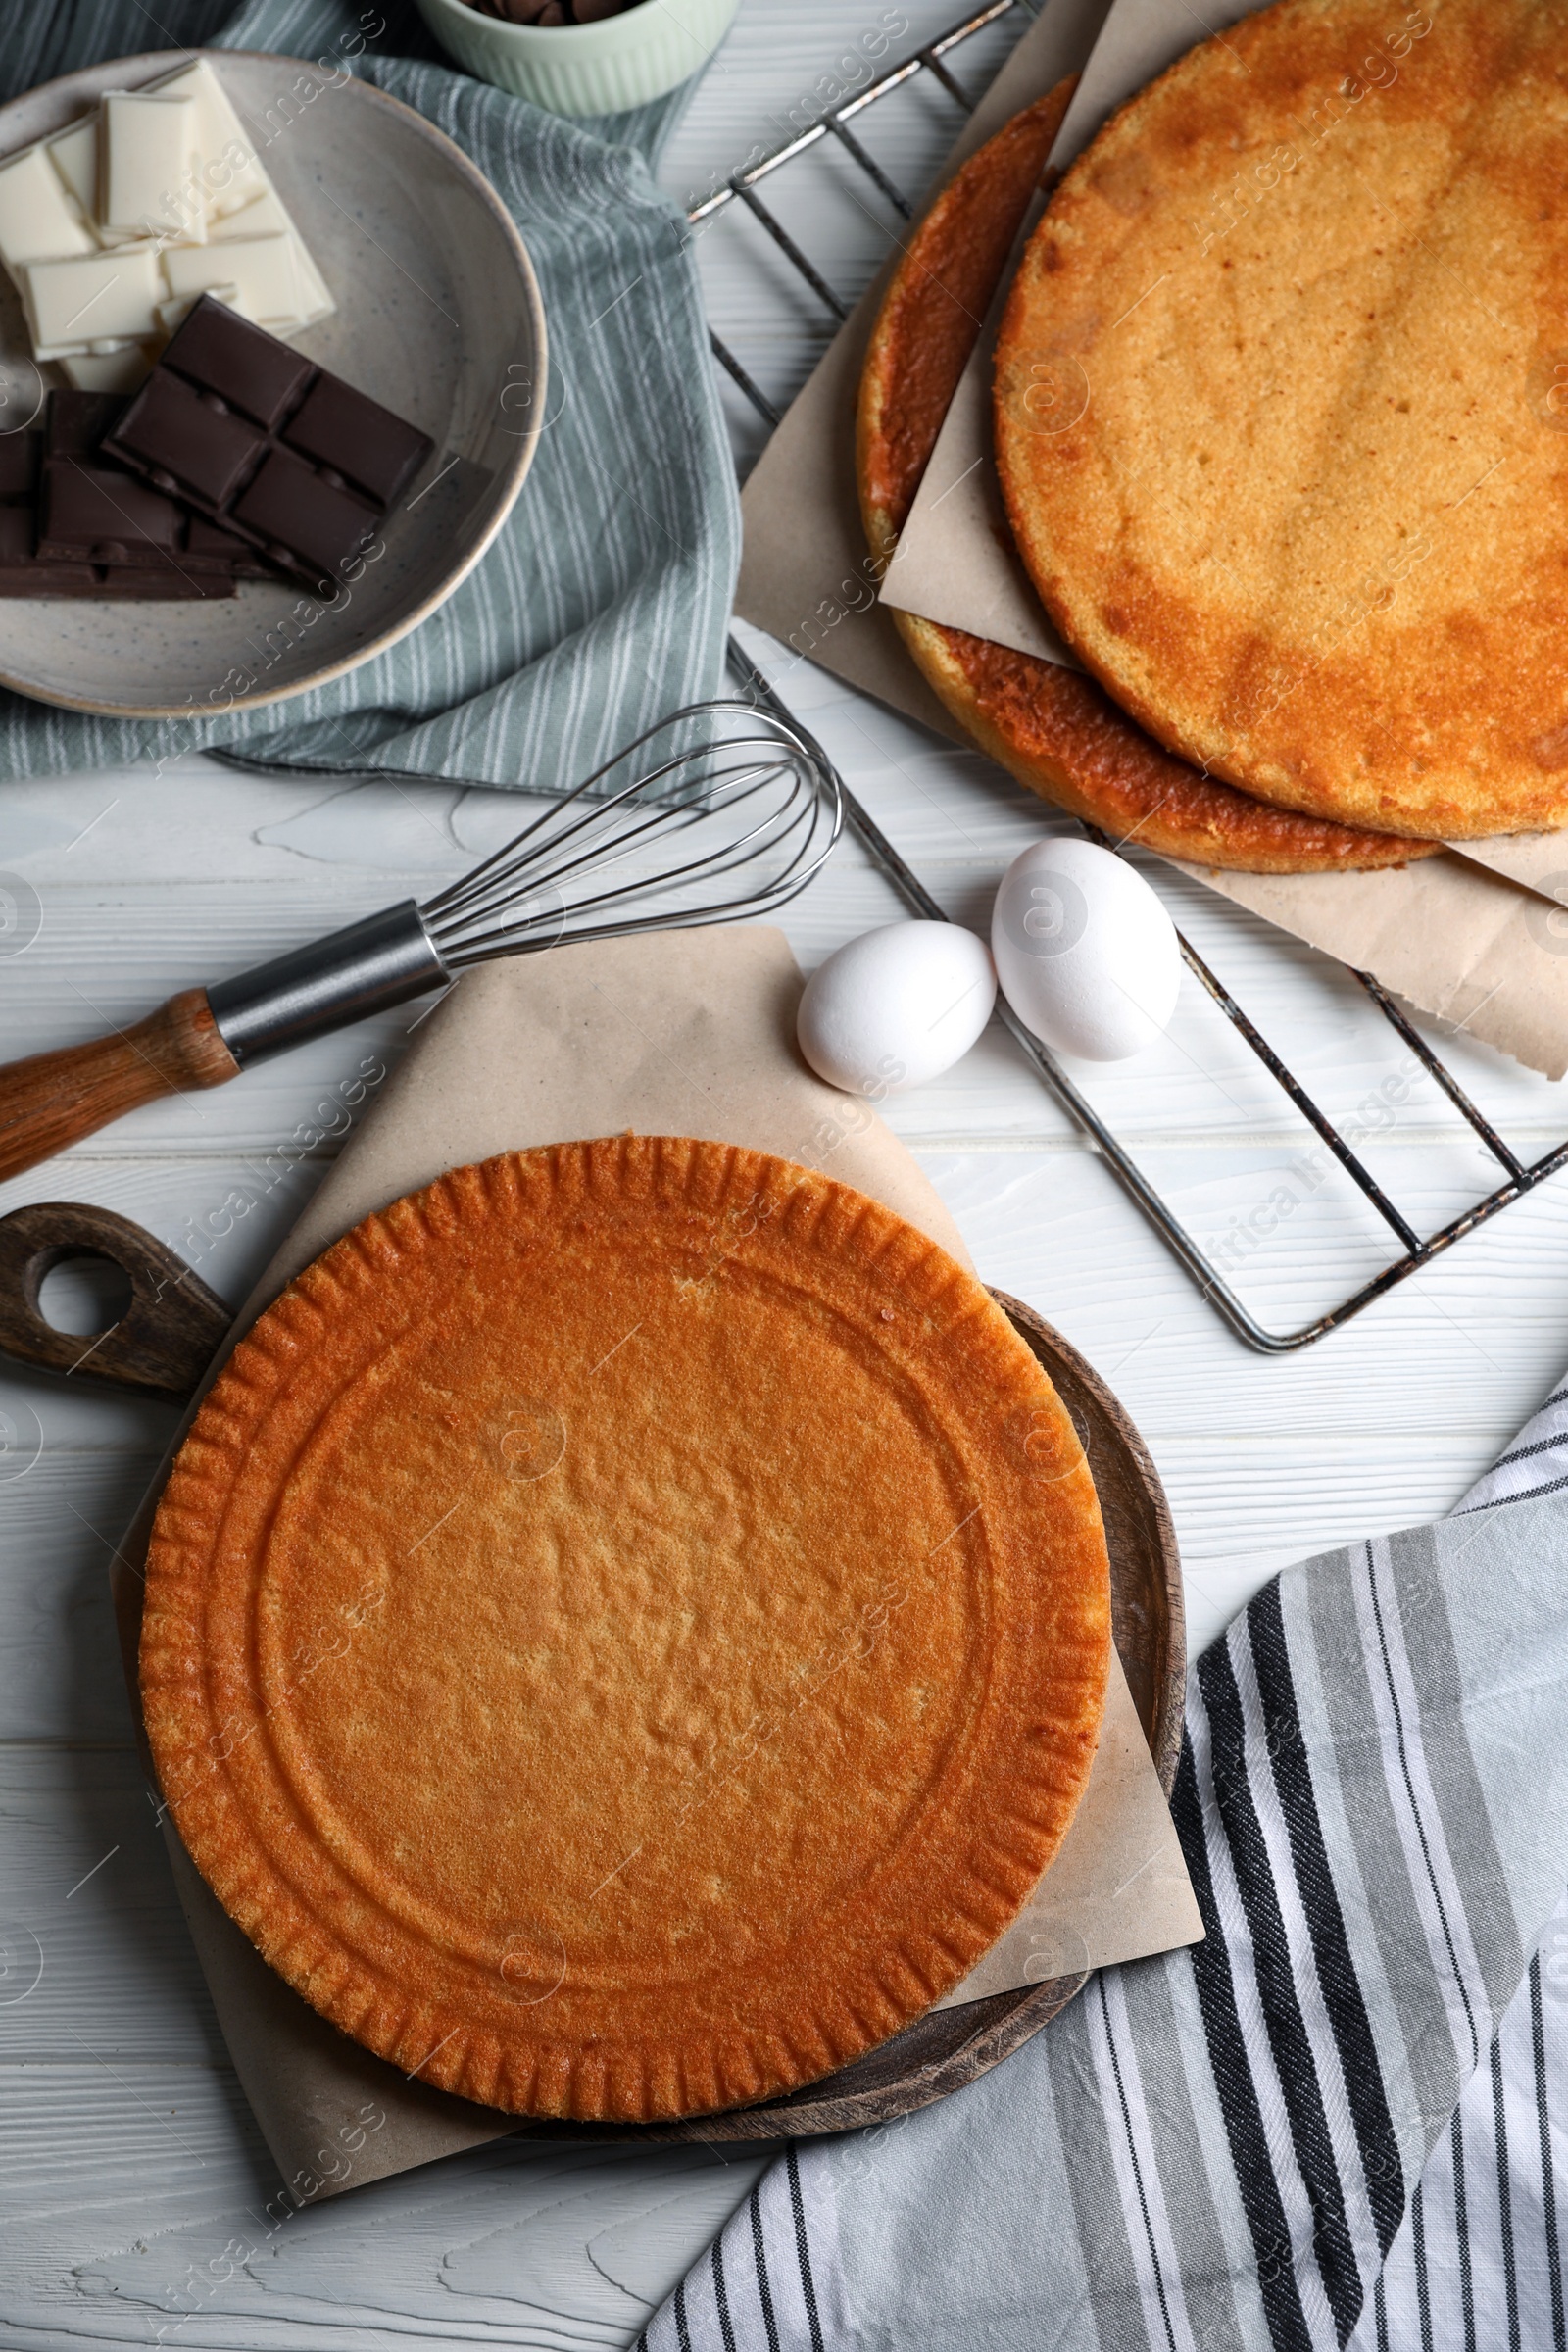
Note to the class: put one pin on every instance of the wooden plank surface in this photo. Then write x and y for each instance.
(132, 2183)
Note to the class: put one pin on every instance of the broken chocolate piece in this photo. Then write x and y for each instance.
(92, 512)
(19, 467)
(268, 444)
(24, 572)
(95, 511)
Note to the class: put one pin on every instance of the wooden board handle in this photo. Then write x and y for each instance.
(52, 1099)
(168, 1335)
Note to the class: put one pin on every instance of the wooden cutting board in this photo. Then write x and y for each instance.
(174, 1325)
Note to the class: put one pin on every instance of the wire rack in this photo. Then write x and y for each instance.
(1415, 1250)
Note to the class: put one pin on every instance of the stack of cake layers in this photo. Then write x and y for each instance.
(1280, 429)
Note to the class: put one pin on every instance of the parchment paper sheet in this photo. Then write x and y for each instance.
(684, 1033)
(805, 576)
(1436, 932)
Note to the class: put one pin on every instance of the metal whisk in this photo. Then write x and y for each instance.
(722, 811)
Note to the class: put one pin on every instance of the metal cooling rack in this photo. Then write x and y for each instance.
(1415, 1250)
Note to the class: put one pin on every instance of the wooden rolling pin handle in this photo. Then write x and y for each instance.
(50, 1100)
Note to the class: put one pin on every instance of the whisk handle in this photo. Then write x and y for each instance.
(204, 1036)
(50, 1100)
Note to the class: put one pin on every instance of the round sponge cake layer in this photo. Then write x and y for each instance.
(1054, 729)
(1282, 412)
(627, 1629)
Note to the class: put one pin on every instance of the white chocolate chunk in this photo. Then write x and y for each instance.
(156, 198)
(119, 370)
(264, 217)
(230, 175)
(268, 215)
(90, 298)
(149, 182)
(260, 269)
(37, 218)
(316, 301)
(73, 152)
(242, 200)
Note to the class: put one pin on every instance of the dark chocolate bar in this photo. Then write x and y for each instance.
(95, 511)
(23, 571)
(256, 437)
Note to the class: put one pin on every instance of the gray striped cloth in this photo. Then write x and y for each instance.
(603, 604)
(1333, 2122)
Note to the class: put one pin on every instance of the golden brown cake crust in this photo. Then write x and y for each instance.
(1053, 728)
(1310, 292)
(627, 1629)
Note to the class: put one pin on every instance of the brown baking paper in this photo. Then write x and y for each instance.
(677, 1033)
(1536, 862)
(1464, 936)
(805, 575)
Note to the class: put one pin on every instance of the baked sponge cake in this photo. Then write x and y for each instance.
(1282, 412)
(1055, 730)
(627, 1629)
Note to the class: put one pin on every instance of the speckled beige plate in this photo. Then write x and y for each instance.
(438, 318)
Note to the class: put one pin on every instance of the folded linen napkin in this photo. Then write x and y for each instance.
(1336, 2117)
(603, 602)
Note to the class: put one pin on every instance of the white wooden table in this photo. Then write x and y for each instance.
(133, 2179)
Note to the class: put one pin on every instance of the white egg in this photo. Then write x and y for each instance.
(1086, 954)
(896, 1006)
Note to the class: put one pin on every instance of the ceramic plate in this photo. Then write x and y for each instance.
(438, 318)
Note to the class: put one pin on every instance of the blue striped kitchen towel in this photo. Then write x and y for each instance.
(603, 602)
(1335, 2120)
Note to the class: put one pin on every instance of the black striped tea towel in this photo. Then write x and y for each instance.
(1338, 2118)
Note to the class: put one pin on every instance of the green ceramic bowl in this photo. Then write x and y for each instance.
(585, 68)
